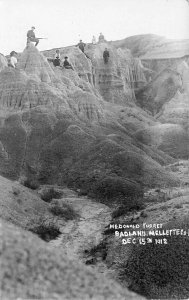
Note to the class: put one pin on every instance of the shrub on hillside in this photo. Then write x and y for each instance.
(112, 186)
(129, 204)
(159, 270)
(105, 187)
(50, 193)
(96, 253)
(29, 183)
(45, 228)
(63, 210)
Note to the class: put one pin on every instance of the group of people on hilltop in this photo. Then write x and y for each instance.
(57, 61)
(81, 45)
(101, 39)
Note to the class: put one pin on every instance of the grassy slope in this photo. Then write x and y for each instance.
(30, 269)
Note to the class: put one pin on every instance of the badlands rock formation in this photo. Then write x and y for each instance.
(166, 94)
(177, 108)
(38, 109)
(115, 81)
(159, 91)
(106, 130)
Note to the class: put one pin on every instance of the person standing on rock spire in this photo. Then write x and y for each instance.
(31, 36)
(106, 55)
(101, 38)
(81, 45)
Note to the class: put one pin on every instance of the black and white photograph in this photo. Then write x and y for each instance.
(94, 149)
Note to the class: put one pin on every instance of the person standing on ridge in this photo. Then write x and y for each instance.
(81, 46)
(94, 40)
(101, 38)
(56, 61)
(13, 59)
(106, 55)
(31, 36)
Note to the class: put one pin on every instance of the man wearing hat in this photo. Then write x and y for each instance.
(81, 46)
(66, 63)
(31, 36)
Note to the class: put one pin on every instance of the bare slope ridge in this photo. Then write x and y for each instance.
(151, 46)
(31, 269)
(19, 204)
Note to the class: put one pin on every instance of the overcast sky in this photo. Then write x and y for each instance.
(64, 22)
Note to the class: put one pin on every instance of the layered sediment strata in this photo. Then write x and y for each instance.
(3, 62)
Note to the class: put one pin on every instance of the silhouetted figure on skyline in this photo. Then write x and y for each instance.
(81, 46)
(94, 40)
(106, 55)
(101, 38)
(31, 36)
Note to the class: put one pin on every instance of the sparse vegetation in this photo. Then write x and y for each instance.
(178, 206)
(164, 207)
(45, 228)
(130, 204)
(159, 269)
(50, 193)
(112, 187)
(29, 183)
(159, 195)
(152, 208)
(105, 188)
(19, 201)
(63, 210)
(98, 252)
(143, 214)
(15, 190)
(82, 193)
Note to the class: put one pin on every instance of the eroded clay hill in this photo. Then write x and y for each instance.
(165, 96)
(116, 80)
(56, 125)
(107, 130)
